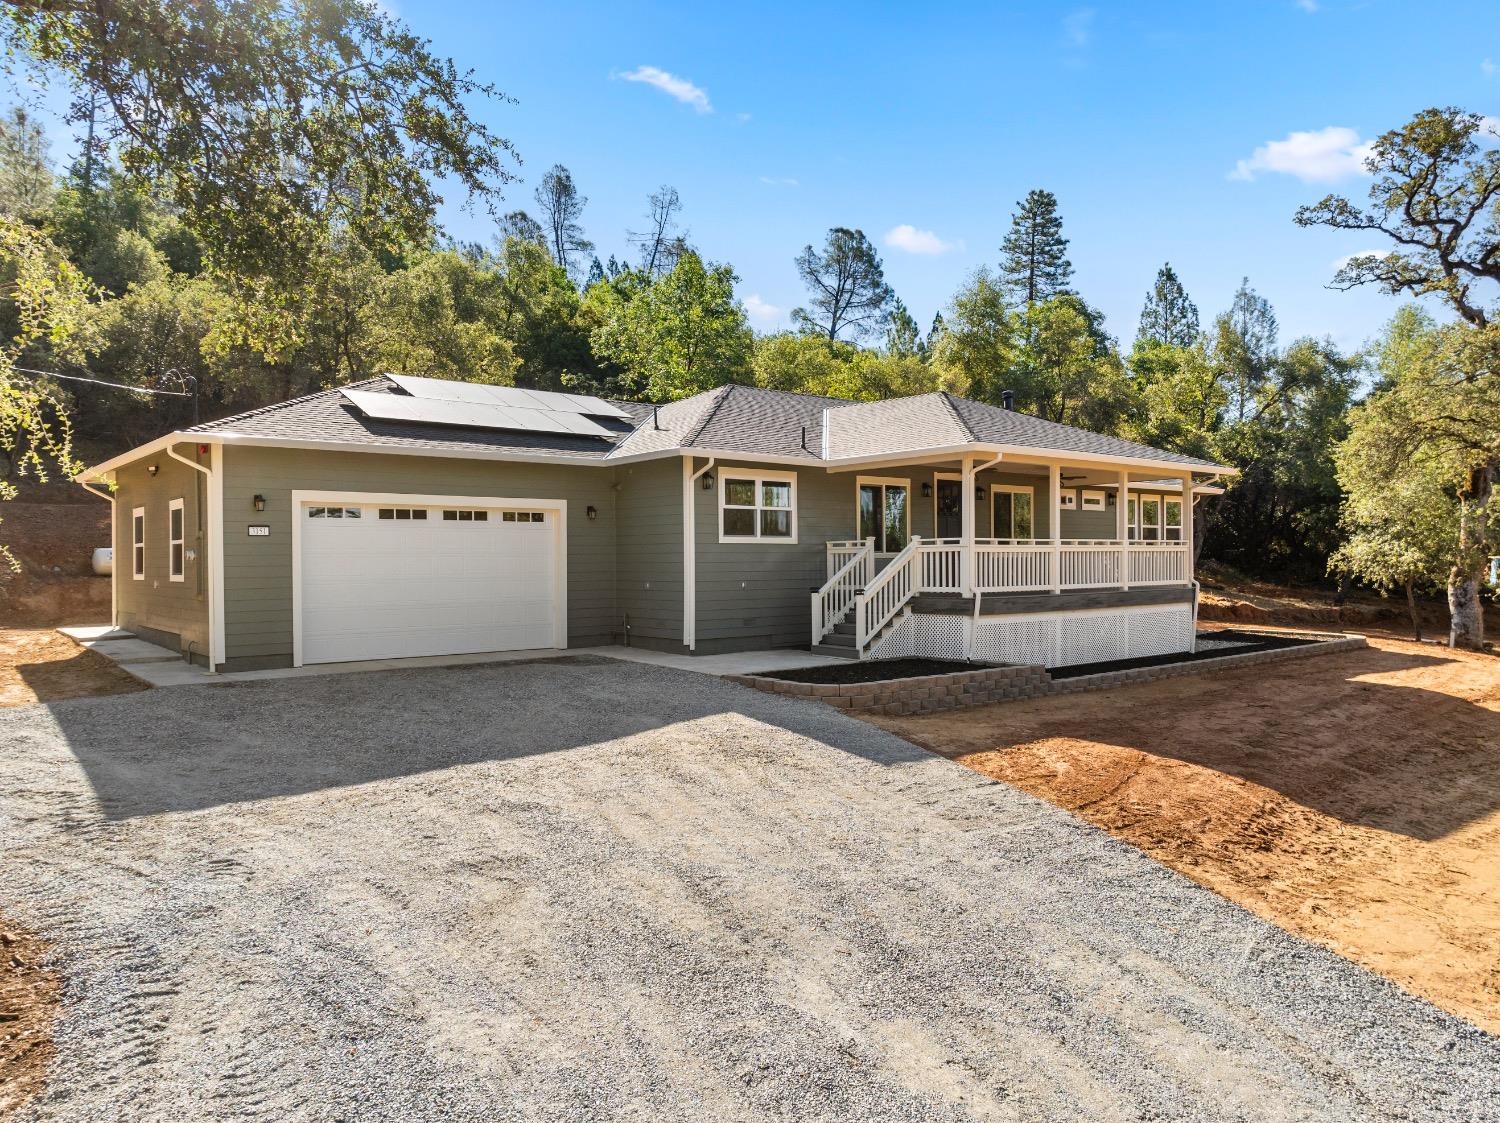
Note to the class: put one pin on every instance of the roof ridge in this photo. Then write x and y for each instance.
(274, 406)
(963, 425)
(722, 395)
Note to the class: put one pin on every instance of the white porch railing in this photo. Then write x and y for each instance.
(940, 567)
(1012, 565)
(1090, 563)
(856, 566)
(885, 595)
(1159, 563)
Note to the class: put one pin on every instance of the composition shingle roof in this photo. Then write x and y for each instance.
(729, 419)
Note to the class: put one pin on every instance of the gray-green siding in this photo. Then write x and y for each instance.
(172, 613)
(258, 571)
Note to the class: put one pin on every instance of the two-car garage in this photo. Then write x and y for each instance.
(389, 576)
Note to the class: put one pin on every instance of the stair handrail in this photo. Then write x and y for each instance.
(886, 594)
(832, 602)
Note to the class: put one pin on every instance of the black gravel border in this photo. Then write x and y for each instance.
(872, 670)
(1252, 642)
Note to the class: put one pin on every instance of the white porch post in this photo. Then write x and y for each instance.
(1187, 526)
(1054, 523)
(966, 552)
(1122, 526)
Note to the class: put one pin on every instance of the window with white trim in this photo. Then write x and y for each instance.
(138, 543)
(1013, 507)
(1150, 518)
(884, 512)
(1172, 530)
(175, 535)
(1091, 499)
(757, 507)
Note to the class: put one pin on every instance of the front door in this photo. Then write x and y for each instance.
(950, 514)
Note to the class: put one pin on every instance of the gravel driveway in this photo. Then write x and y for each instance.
(581, 889)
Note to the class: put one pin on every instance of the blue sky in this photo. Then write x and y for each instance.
(1165, 130)
(885, 115)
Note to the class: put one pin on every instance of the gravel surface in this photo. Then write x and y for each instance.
(586, 890)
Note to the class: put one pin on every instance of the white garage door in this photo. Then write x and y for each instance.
(384, 581)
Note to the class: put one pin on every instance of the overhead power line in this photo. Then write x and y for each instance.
(112, 385)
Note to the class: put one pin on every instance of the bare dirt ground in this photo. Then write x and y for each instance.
(41, 665)
(1353, 799)
(28, 1007)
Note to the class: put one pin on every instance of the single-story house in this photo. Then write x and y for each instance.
(406, 516)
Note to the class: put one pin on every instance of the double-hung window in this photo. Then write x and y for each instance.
(138, 543)
(758, 507)
(175, 541)
(885, 513)
(1172, 514)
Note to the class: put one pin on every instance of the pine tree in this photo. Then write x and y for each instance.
(612, 267)
(596, 274)
(1034, 266)
(902, 335)
(1168, 316)
(935, 332)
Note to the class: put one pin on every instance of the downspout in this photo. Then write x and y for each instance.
(971, 482)
(690, 552)
(206, 539)
(114, 569)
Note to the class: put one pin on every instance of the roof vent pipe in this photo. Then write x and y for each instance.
(1008, 399)
(656, 417)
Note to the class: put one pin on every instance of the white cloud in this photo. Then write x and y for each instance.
(671, 85)
(907, 237)
(1339, 263)
(1314, 157)
(1078, 28)
(1308, 6)
(1487, 68)
(779, 180)
(761, 312)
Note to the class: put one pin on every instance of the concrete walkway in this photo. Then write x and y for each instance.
(160, 666)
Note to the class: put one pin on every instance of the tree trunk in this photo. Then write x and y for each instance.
(1465, 579)
(1411, 606)
(1346, 579)
(1200, 524)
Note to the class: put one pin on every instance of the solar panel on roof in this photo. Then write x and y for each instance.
(442, 389)
(471, 415)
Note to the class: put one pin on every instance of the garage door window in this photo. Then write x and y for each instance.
(466, 516)
(401, 513)
(522, 516)
(333, 512)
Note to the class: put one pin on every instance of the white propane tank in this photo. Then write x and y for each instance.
(104, 561)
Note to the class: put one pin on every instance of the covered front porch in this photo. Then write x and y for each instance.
(1007, 534)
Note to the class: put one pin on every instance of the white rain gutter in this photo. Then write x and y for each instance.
(114, 568)
(213, 541)
(690, 551)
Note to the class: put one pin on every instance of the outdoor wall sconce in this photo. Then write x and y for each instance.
(260, 502)
(979, 494)
(926, 491)
(708, 481)
(151, 469)
(1109, 498)
(593, 513)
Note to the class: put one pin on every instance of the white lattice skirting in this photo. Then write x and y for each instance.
(1053, 639)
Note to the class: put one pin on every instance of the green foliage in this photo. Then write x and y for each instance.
(444, 318)
(268, 125)
(1066, 369)
(1181, 398)
(676, 336)
(847, 285)
(902, 335)
(1033, 258)
(1169, 315)
(975, 348)
(810, 364)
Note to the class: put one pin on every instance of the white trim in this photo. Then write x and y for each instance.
(1092, 499)
(138, 567)
(558, 506)
(1011, 489)
(181, 574)
(760, 476)
(1020, 453)
(690, 550)
(214, 537)
(114, 563)
(883, 482)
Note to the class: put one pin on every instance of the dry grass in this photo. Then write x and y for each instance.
(1353, 799)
